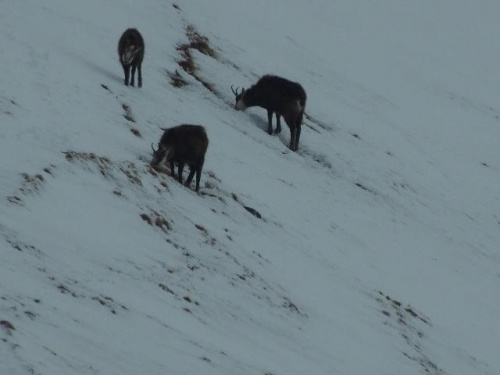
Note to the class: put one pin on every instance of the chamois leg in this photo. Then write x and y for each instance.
(198, 174)
(172, 169)
(298, 126)
(192, 171)
(297, 136)
(290, 121)
(293, 136)
(132, 78)
(139, 68)
(270, 122)
(278, 124)
(126, 71)
(181, 168)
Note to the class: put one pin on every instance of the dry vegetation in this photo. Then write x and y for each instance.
(102, 163)
(154, 218)
(176, 79)
(201, 44)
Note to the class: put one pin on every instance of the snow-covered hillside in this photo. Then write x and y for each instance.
(377, 250)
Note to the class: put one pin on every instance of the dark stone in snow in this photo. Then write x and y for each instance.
(253, 211)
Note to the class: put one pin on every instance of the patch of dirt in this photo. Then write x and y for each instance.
(128, 113)
(365, 188)
(103, 163)
(105, 166)
(130, 170)
(410, 325)
(136, 132)
(289, 305)
(109, 303)
(8, 106)
(64, 289)
(31, 184)
(7, 325)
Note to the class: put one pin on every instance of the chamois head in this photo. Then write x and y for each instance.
(239, 104)
(160, 155)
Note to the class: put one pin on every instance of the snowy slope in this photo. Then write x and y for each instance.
(378, 246)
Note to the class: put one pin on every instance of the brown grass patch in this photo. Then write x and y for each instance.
(187, 62)
(177, 80)
(199, 42)
(195, 42)
(156, 219)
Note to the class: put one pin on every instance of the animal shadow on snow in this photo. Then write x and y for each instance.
(318, 157)
(95, 66)
(261, 123)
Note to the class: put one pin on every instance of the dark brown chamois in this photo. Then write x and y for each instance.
(276, 95)
(182, 144)
(131, 53)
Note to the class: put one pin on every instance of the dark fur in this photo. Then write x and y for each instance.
(131, 38)
(183, 144)
(282, 97)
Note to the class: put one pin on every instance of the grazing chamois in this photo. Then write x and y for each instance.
(182, 144)
(131, 53)
(276, 95)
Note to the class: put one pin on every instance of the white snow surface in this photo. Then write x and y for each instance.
(378, 247)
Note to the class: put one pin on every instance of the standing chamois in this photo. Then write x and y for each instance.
(131, 53)
(276, 95)
(182, 144)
